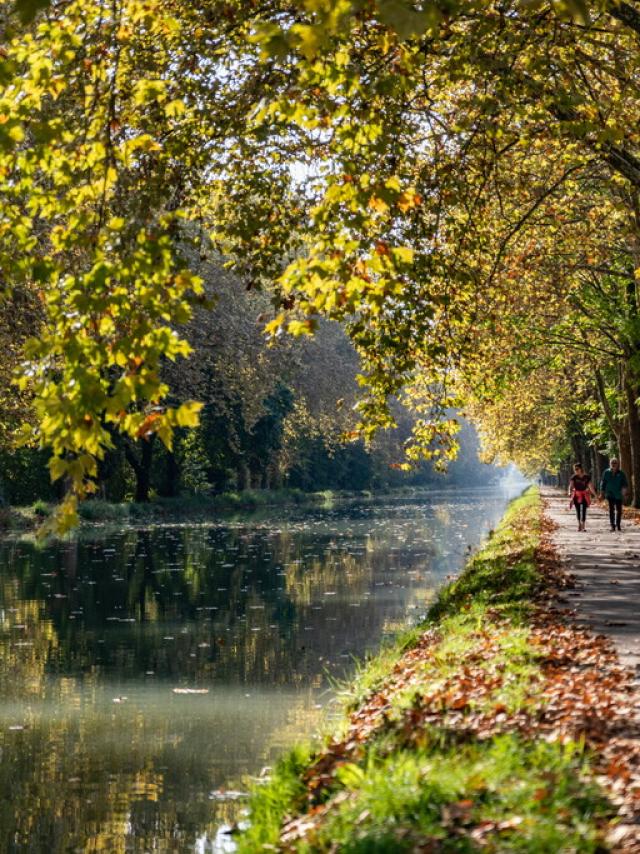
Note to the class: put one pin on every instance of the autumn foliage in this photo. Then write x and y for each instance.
(499, 723)
(456, 183)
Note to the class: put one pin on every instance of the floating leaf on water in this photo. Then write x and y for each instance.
(190, 690)
(229, 795)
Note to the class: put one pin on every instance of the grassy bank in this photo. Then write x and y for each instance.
(196, 507)
(444, 744)
(200, 507)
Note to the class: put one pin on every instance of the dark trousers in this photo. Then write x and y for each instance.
(581, 510)
(615, 511)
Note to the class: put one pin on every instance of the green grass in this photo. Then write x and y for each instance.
(403, 799)
(503, 574)
(195, 506)
(185, 507)
(41, 508)
(440, 785)
(275, 798)
(537, 795)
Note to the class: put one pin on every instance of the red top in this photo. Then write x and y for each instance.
(580, 482)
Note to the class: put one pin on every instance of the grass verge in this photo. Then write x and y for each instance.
(184, 507)
(443, 746)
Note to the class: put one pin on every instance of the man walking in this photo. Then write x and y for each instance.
(614, 487)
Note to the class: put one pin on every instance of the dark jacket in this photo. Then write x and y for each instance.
(613, 483)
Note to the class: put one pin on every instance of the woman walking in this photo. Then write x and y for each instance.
(580, 492)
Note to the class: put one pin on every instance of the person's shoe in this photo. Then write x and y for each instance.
(613, 527)
(619, 528)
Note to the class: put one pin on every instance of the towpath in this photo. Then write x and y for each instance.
(606, 565)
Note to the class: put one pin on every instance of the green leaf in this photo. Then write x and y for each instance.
(308, 39)
(350, 775)
(28, 9)
(405, 20)
(576, 9)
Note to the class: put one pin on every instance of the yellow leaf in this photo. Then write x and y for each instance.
(308, 39)
(403, 254)
(176, 108)
(187, 415)
(57, 468)
(275, 325)
(378, 204)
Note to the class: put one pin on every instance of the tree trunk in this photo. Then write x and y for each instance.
(575, 449)
(141, 467)
(143, 485)
(564, 473)
(634, 441)
(171, 486)
(620, 429)
(624, 453)
(602, 462)
(106, 468)
(275, 477)
(242, 477)
(594, 465)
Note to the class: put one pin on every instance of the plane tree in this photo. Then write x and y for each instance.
(347, 155)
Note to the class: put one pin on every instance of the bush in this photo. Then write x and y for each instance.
(41, 509)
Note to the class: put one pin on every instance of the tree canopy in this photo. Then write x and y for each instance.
(456, 183)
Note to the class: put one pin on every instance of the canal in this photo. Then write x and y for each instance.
(144, 673)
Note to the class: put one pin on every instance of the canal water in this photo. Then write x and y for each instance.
(145, 673)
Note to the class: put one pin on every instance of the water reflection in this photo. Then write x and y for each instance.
(100, 752)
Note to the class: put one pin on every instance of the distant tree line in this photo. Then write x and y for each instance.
(223, 456)
(273, 417)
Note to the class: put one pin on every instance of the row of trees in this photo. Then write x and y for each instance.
(457, 183)
(273, 416)
(503, 157)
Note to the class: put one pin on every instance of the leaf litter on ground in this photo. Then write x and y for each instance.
(568, 689)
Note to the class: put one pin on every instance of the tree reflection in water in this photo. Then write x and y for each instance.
(98, 752)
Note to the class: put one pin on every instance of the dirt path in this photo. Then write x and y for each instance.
(606, 565)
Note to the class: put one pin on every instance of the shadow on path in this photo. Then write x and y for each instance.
(606, 565)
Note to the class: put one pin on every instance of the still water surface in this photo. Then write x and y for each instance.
(143, 673)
